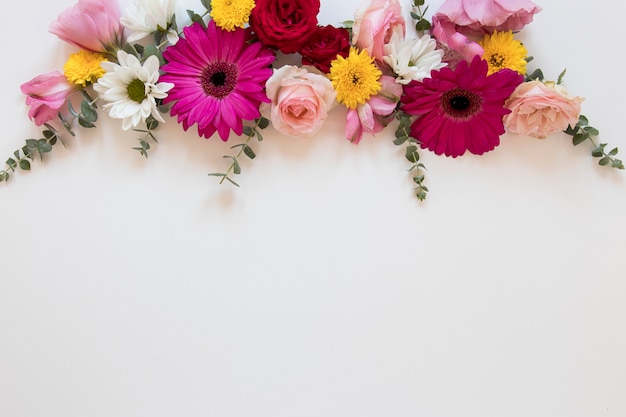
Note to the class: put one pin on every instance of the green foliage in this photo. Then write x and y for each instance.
(49, 137)
(403, 136)
(244, 148)
(144, 146)
(583, 132)
(421, 23)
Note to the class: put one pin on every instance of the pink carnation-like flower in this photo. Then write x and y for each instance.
(459, 23)
(374, 23)
(46, 94)
(93, 25)
(376, 113)
(460, 109)
(539, 109)
(300, 101)
(219, 79)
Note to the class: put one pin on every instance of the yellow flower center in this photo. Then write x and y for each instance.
(229, 14)
(355, 78)
(502, 51)
(84, 68)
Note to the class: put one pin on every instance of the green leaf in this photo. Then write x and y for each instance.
(259, 136)
(88, 112)
(582, 120)
(399, 141)
(422, 25)
(411, 154)
(597, 152)
(43, 146)
(248, 151)
(24, 164)
(31, 143)
(263, 123)
(248, 131)
(617, 164)
(592, 131)
(4, 176)
(613, 152)
(196, 18)
(85, 123)
(578, 139)
(231, 181)
(604, 161)
(11, 163)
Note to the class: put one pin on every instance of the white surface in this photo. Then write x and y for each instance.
(321, 287)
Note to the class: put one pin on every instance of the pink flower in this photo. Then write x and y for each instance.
(374, 22)
(46, 94)
(460, 110)
(375, 113)
(458, 23)
(539, 109)
(93, 25)
(300, 100)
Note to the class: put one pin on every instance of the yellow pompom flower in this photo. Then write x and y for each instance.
(229, 14)
(501, 50)
(84, 68)
(355, 78)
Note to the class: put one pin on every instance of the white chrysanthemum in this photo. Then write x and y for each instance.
(131, 89)
(412, 59)
(144, 17)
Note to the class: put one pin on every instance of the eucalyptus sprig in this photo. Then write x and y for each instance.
(403, 136)
(421, 23)
(50, 136)
(244, 148)
(582, 132)
(144, 145)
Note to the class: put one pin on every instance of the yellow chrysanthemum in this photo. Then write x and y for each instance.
(84, 68)
(229, 14)
(502, 51)
(355, 78)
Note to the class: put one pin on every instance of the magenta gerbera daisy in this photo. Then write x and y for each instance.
(460, 109)
(219, 79)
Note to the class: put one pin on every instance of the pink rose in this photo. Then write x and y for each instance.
(376, 113)
(539, 109)
(46, 94)
(93, 25)
(374, 22)
(300, 100)
(459, 23)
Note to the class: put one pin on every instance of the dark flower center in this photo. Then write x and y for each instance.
(219, 79)
(460, 104)
(136, 90)
(496, 60)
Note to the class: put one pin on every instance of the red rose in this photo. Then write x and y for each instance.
(324, 45)
(284, 24)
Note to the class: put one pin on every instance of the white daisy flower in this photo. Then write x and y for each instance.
(412, 59)
(144, 17)
(131, 89)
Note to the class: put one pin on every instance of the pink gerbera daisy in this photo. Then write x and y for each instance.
(460, 109)
(219, 79)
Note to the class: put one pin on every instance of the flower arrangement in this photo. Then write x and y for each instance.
(455, 86)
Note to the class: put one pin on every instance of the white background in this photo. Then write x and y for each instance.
(321, 287)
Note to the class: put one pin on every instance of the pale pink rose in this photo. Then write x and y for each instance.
(300, 100)
(460, 23)
(539, 109)
(376, 113)
(374, 23)
(93, 25)
(46, 94)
